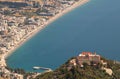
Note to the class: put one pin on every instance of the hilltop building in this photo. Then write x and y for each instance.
(88, 57)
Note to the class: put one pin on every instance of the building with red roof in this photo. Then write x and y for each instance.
(88, 57)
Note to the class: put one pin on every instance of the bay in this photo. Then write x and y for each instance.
(93, 27)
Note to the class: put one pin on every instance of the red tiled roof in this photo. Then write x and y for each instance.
(86, 53)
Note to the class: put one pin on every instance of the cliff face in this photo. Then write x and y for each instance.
(87, 71)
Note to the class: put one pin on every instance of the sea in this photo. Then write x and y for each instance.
(93, 27)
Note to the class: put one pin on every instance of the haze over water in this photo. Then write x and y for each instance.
(93, 27)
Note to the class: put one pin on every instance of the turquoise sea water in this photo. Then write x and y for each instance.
(93, 27)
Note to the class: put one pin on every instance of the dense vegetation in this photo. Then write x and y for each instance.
(66, 71)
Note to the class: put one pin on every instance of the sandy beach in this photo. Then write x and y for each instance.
(31, 34)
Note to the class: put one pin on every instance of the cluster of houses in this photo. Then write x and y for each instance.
(41, 7)
(12, 31)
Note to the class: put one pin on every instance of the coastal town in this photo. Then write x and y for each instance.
(21, 19)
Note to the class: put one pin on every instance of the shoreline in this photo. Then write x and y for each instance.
(41, 27)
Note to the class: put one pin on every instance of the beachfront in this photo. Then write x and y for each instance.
(32, 30)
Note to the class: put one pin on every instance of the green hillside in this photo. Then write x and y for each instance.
(69, 71)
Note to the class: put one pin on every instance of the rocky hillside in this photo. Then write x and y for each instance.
(71, 71)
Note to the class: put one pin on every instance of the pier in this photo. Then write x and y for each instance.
(42, 68)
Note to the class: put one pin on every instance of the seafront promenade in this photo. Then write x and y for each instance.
(17, 30)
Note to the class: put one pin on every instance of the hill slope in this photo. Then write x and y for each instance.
(69, 71)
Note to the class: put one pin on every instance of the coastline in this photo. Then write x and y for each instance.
(34, 32)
